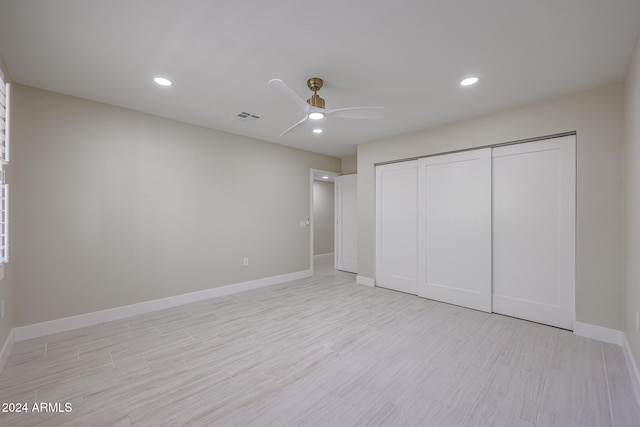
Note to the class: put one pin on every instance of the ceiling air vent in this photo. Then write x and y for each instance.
(247, 117)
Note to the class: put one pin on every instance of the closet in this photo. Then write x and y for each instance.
(491, 229)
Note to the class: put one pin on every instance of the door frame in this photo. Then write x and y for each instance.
(313, 174)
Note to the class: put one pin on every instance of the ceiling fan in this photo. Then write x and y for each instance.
(314, 106)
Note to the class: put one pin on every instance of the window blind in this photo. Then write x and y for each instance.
(4, 119)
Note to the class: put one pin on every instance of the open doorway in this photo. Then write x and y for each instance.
(322, 217)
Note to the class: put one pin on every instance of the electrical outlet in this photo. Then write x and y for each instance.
(245, 261)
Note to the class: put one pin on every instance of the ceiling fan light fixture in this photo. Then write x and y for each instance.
(469, 81)
(316, 115)
(162, 81)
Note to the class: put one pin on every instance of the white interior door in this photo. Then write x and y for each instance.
(346, 223)
(454, 250)
(396, 226)
(534, 231)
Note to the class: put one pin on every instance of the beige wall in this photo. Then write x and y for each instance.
(597, 117)
(114, 207)
(350, 165)
(632, 205)
(323, 213)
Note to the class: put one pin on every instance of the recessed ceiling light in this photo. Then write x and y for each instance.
(162, 81)
(469, 81)
(316, 115)
(317, 131)
(325, 177)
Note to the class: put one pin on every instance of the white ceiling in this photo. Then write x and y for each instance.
(407, 56)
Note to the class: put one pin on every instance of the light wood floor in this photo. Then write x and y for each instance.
(322, 351)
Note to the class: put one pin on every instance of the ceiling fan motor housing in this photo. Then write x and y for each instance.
(315, 84)
(316, 101)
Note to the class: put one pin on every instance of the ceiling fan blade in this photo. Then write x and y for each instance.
(294, 126)
(289, 93)
(357, 113)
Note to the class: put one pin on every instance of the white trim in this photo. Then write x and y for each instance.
(6, 349)
(634, 373)
(5, 240)
(312, 177)
(612, 336)
(600, 333)
(367, 281)
(89, 319)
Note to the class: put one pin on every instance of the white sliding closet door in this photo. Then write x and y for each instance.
(346, 223)
(454, 225)
(397, 227)
(534, 231)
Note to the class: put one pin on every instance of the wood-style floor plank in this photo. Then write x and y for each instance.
(321, 351)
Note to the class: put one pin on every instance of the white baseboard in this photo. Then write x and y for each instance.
(612, 336)
(6, 349)
(634, 373)
(367, 281)
(37, 330)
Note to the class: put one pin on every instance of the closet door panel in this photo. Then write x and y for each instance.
(396, 226)
(454, 250)
(534, 231)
